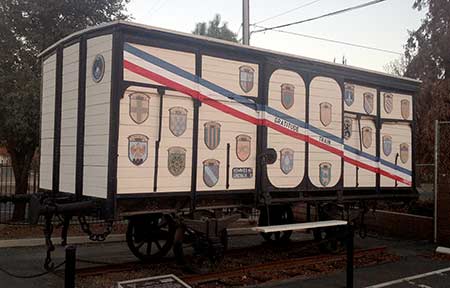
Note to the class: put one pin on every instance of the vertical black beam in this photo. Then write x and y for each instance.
(57, 120)
(69, 271)
(307, 79)
(80, 118)
(261, 182)
(350, 247)
(227, 185)
(378, 139)
(41, 96)
(413, 139)
(197, 104)
(116, 81)
(161, 93)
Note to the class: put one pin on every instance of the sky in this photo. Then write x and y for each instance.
(384, 25)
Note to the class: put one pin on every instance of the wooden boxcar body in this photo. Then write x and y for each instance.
(143, 120)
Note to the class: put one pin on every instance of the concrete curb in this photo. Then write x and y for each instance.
(33, 242)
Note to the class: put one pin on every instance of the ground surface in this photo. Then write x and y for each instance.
(415, 258)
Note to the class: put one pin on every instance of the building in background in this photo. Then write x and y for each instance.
(4, 156)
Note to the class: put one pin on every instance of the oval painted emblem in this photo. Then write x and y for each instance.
(212, 134)
(387, 145)
(325, 113)
(368, 102)
(137, 148)
(246, 78)
(287, 95)
(367, 136)
(286, 160)
(348, 123)
(176, 161)
(325, 173)
(211, 172)
(404, 105)
(243, 146)
(98, 68)
(177, 120)
(349, 94)
(139, 105)
(404, 152)
(388, 102)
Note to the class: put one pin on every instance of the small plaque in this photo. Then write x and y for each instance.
(164, 281)
(242, 172)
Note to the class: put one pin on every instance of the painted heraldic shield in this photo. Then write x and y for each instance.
(287, 95)
(176, 160)
(325, 113)
(243, 144)
(211, 172)
(368, 102)
(246, 78)
(388, 102)
(404, 152)
(349, 94)
(348, 123)
(367, 136)
(177, 120)
(325, 173)
(286, 160)
(137, 148)
(387, 145)
(404, 105)
(139, 105)
(212, 135)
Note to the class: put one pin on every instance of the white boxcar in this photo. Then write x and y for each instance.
(144, 119)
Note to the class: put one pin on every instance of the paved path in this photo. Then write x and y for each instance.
(29, 260)
(414, 262)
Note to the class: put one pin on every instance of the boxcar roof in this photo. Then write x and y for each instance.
(218, 41)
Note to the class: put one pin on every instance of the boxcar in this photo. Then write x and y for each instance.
(143, 120)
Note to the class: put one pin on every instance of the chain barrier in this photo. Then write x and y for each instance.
(98, 237)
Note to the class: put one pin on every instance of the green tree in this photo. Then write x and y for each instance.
(428, 57)
(27, 27)
(215, 30)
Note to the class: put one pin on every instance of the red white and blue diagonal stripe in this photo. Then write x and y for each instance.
(160, 71)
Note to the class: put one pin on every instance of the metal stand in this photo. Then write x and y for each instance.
(69, 272)
(350, 247)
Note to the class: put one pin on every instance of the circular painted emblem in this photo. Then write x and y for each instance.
(98, 68)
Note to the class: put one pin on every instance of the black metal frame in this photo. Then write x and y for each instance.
(267, 63)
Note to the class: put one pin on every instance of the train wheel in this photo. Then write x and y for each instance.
(279, 215)
(327, 237)
(150, 237)
(327, 240)
(197, 253)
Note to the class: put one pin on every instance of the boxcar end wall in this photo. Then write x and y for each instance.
(143, 111)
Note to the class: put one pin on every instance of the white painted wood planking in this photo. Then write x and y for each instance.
(299, 226)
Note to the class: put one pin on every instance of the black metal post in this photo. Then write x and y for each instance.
(350, 244)
(69, 273)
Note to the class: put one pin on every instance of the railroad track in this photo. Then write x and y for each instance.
(280, 265)
(203, 278)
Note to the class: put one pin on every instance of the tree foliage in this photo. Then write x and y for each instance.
(397, 66)
(26, 28)
(428, 57)
(215, 30)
